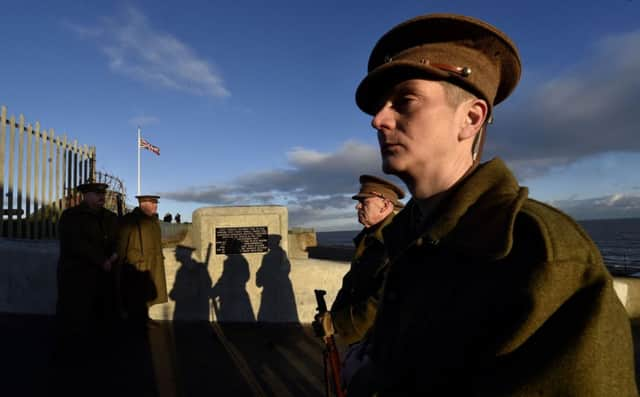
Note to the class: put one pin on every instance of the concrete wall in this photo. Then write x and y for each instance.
(189, 282)
(628, 290)
(28, 284)
(28, 276)
(300, 240)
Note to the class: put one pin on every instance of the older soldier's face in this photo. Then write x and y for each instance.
(371, 211)
(149, 207)
(95, 200)
(418, 132)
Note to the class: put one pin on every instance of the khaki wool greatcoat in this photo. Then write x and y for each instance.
(499, 295)
(354, 309)
(87, 239)
(140, 250)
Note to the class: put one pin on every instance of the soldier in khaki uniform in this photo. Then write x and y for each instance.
(354, 309)
(489, 292)
(86, 300)
(140, 249)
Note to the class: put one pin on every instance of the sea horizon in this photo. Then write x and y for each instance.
(617, 238)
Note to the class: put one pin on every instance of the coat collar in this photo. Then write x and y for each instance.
(374, 231)
(476, 219)
(138, 212)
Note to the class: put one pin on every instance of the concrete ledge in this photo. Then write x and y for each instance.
(628, 291)
(190, 281)
(28, 284)
(28, 276)
(300, 240)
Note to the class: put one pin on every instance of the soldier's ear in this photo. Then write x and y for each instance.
(475, 113)
(387, 204)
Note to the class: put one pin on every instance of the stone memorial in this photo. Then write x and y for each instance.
(245, 250)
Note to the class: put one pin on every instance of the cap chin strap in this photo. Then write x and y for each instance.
(476, 148)
(478, 143)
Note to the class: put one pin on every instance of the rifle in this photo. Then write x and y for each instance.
(330, 355)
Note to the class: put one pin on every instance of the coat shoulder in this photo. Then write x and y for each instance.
(562, 238)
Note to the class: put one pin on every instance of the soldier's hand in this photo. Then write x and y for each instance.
(106, 265)
(327, 323)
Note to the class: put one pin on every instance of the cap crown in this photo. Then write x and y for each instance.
(373, 186)
(95, 187)
(463, 50)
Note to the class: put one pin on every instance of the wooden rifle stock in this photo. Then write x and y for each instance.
(331, 356)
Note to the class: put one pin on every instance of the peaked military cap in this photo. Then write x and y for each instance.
(147, 197)
(94, 187)
(373, 186)
(462, 50)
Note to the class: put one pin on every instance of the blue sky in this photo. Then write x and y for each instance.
(252, 102)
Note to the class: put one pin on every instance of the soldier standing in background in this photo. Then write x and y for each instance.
(140, 250)
(355, 306)
(85, 310)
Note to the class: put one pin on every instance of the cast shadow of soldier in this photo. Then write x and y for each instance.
(201, 361)
(287, 357)
(230, 300)
(280, 352)
(278, 303)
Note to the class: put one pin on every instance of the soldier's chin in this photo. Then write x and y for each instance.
(388, 167)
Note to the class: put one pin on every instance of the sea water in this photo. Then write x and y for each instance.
(617, 239)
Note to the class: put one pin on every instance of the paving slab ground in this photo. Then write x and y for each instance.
(175, 359)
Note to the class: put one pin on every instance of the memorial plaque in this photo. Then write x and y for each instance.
(241, 240)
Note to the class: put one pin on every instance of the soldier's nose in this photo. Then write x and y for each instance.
(383, 119)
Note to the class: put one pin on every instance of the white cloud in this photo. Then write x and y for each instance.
(135, 49)
(618, 205)
(317, 188)
(591, 110)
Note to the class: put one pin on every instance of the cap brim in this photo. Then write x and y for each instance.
(362, 195)
(359, 196)
(380, 80)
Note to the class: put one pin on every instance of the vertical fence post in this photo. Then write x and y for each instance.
(51, 209)
(92, 161)
(75, 165)
(69, 156)
(63, 173)
(3, 137)
(43, 185)
(12, 149)
(29, 185)
(19, 229)
(36, 185)
(57, 205)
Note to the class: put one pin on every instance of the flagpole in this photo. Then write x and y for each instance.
(138, 161)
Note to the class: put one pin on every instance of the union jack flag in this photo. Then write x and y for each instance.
(146, 145)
